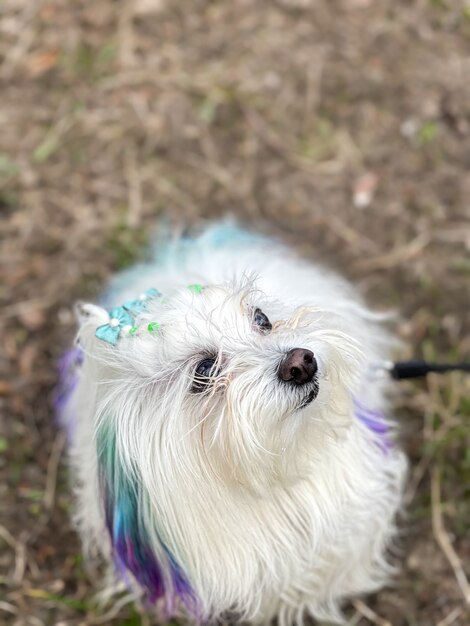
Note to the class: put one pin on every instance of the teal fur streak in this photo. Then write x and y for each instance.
(165, 252)
(123, 503)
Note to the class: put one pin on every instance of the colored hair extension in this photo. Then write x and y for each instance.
(123, 504)
(375, 421)
(69, 373)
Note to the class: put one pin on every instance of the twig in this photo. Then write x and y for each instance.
(12, 310)
(397, 256)
(118, 605)
(313, 82)
(442, 536)
(279, 144)
(416, 478)
(20, 554)
(126, 37)
(355, 619)
(35, 621)
(349, 235)
(134, 188)
(52, 469)
(8, 608)
(450, 619)
(431, 435)
(368, 613)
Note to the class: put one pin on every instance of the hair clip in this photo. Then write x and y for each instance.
(196, 288)
(140, 303)
(122, 318)
(119, 320)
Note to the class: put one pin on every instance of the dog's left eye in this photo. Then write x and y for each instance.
(203, 375)
(261, 320)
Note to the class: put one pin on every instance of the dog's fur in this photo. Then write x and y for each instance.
(246, 503)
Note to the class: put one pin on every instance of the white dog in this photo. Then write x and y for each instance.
(231, 455)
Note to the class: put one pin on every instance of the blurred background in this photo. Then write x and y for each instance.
(343, 127)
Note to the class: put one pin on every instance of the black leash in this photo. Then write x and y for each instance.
(418, 368)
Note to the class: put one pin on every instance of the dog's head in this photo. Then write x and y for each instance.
(223, 381)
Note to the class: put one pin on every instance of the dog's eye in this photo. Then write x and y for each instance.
(261, 320)
(203, 374)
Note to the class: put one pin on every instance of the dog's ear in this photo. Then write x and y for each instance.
(89, 317)
(87, 312)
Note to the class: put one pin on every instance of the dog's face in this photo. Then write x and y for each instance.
(232, 382)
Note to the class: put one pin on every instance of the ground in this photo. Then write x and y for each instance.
(343, 127)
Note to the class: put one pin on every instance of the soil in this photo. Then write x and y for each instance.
(343, 127)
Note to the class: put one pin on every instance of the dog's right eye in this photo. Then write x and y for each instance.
(261, 321)
(203, 375)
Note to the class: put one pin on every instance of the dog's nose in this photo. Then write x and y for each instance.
(299, 366)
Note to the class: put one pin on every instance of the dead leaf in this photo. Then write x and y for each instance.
(32, 318)
(5, 388)
(364, 189)
(42, 62)
(27, 358)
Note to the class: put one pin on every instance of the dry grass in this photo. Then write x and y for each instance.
(344, 126)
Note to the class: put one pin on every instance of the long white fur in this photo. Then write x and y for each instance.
(269, 510)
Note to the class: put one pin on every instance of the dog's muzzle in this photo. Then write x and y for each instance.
(298, 368)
